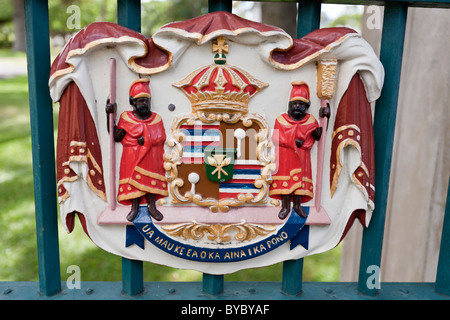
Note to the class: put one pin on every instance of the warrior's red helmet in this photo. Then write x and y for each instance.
(140, 88)
(299, 91)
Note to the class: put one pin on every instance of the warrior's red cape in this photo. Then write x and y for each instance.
(142, 167)
(293, 174)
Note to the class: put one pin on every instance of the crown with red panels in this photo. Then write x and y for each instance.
(220, 87)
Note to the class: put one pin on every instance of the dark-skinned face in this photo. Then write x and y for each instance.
(141, 107)
(297, 109)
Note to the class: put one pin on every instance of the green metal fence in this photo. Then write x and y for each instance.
(213, 286)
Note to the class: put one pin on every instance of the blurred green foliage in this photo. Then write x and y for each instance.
(6, 25)
(90, 11)
(154, 14)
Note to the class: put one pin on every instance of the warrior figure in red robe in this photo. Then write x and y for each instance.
(142, 134)
(294, 135)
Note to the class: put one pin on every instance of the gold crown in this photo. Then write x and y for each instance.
(220, 87)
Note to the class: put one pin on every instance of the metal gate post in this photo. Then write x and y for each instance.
(213, 284)
(391, 54)
(129, 15)
(42, 140)
(308, 19)
(292, 281)
(220, 5)
(443, 269)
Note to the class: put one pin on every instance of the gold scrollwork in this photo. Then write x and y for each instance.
(219, 233)
(209, 117)
(173, 158)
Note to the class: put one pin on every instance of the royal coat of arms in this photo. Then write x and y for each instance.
(218, 144)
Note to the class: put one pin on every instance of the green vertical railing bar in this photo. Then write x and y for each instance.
(308, 17)
(213, 284)
(292, 280)
(132, 277)
(220, 5)
(308, 20)
(443, 269)
(129, 15)
(42, 140)
(384, 127)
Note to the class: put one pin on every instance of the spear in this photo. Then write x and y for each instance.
(112, 116)
(326, 83)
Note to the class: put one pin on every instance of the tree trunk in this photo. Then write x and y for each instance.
(283, 15)
(19, 26)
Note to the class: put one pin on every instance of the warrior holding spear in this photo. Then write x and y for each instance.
(141, 132)
(297, 132)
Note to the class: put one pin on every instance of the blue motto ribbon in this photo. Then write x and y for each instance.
(294, 230)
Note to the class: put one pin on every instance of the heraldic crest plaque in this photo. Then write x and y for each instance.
(219, 144)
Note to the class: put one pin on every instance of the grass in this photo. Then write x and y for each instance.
(18, 257)
(7, 53)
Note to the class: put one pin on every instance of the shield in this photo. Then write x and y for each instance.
(217, 164)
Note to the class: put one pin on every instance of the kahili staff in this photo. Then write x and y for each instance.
(326, 84)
